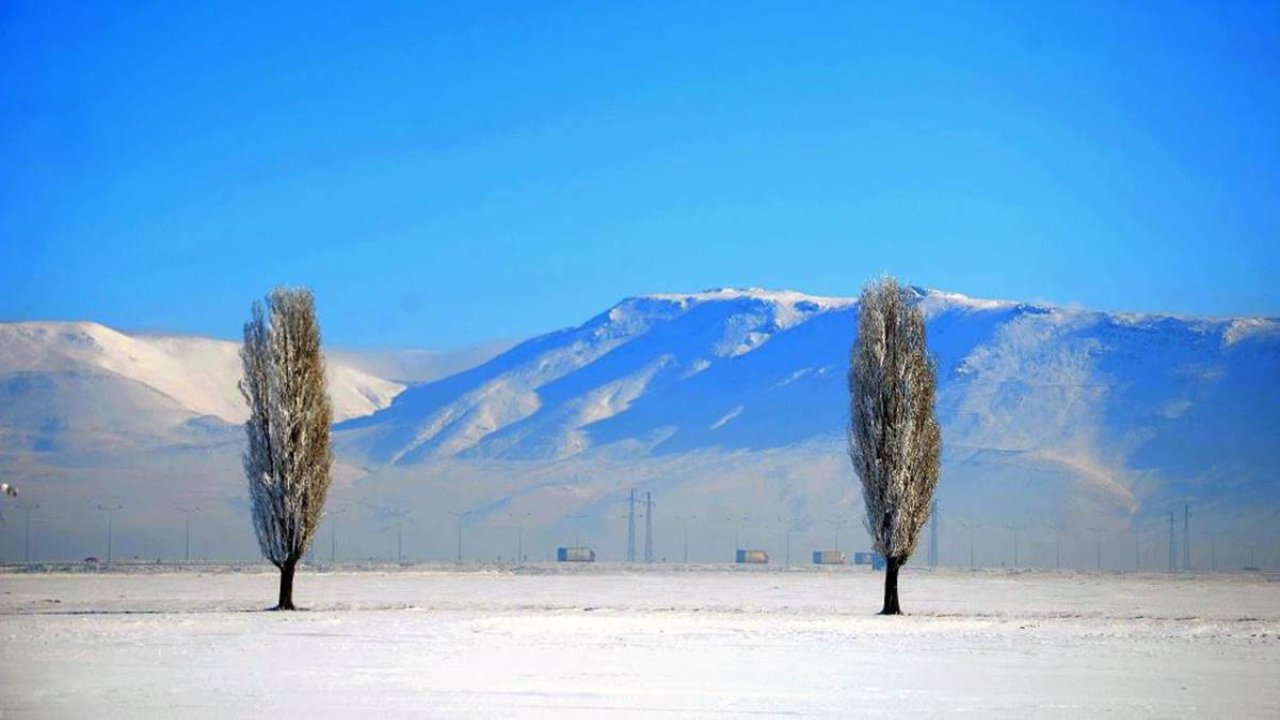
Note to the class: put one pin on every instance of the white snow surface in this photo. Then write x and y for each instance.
(787, 298)
(605, 641)
(935, 302)
(1245, 328)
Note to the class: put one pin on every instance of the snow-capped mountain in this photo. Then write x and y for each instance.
(83, 384)
(728, 405)
(758, 369)
(554, 396)
(1042, 407)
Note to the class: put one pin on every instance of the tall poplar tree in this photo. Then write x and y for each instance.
(895, 443)
(288, 460)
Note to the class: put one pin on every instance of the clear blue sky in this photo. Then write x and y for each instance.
(446, 174)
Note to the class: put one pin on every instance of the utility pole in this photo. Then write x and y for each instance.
(969, 525)
(110, 511)
(577, 519)
(398, 517)
(1172, 544)
(1015, 529)
(787, 524)
(648, 527)
(26, 548)
(686, 542)
(187, 546)
(737, 532)
(333, 535)
(838, 523)
(971, 563)
(1186, 537)
(1097, 534)
(684, 523)
(519, 519)
(631, 527)
(459, 516)
(933, 536)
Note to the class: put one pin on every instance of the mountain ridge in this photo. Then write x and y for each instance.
(755, 317)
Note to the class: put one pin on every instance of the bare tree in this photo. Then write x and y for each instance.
(894, 438)
(288, 460)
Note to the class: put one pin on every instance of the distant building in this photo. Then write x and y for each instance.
(875, 560)
(575, 554)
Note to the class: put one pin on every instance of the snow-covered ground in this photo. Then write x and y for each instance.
(604, 641)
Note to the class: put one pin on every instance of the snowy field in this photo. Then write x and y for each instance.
(607, 642)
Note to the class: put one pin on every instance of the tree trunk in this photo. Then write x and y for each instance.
(286, 585)
(891, 586)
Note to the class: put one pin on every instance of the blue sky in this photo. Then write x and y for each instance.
(445, 174)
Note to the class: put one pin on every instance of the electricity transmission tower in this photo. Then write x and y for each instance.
(789, 525)
(27, 508)
(631, 527)
(1172, 543)
(459, 516)
(1057, 547)
(648, 527)
(398, 517)
(970, 526)
(111, 512)
(187, 547)
(838, 522)
(1186, 538)
(333, 534)
(520, 519)
(1015, 529)
(933, 536)
(684, 522)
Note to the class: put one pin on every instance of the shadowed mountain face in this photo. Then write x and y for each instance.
(729, 405)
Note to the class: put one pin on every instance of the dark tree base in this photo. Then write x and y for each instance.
(891, 606)
(286, 586)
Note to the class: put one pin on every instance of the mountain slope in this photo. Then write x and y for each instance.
(1042, 406)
